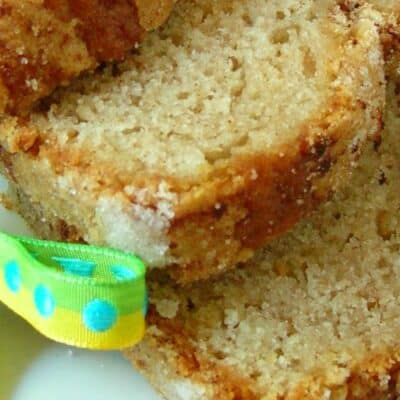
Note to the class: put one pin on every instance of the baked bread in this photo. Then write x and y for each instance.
(391, 35)
(229, 125)
(46, 43)
(391, 7)
(315, 316)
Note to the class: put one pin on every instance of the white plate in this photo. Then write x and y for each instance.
(33, 368)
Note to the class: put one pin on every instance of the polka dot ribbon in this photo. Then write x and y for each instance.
(84, 296)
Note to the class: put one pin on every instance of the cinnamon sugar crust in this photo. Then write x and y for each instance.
(45, 44)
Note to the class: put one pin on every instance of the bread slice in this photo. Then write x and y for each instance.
(230, 124)
(315, 316)
(46, 43)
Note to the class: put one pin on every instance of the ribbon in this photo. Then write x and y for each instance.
(80, 295)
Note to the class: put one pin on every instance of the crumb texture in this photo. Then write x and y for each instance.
(45, 44)
(315, 315)
(224, 129)
(221, 79)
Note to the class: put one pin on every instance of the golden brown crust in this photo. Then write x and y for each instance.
(108, 28)
(288, 186)
(46, 43)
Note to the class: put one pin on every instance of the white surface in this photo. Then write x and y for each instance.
(33, 368)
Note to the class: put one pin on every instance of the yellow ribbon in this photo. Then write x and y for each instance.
(80, 295)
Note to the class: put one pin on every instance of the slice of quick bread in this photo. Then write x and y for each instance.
(316, 315)
(45, 43)
(229, 125)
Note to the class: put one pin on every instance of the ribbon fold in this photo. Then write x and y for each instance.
(80, 295)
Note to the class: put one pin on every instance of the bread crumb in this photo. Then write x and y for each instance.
(167, 308)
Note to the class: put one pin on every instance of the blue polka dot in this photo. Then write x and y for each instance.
(99, 316)
(75, 266)
(122, 273)
(12, 276)
(44, 301)
(146, 303)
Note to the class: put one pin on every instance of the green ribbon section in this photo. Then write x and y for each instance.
(83, 295)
